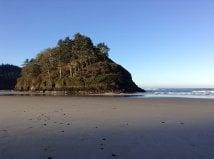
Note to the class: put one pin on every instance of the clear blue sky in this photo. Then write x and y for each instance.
(163, 43)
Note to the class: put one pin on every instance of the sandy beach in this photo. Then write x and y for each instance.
(105, 128)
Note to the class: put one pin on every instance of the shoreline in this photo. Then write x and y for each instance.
(64, 93)
(144, 95)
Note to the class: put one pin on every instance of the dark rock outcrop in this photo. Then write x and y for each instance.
(8, 76)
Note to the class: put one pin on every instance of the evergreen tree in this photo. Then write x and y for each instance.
(103, 48)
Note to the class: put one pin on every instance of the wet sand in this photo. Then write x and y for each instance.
(105, 128)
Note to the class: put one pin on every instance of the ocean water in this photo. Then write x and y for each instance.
(179, 92)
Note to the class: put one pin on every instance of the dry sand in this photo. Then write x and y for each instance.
(105, 128)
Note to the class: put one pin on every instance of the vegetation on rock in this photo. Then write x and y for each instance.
(75, 65)
(8, 76)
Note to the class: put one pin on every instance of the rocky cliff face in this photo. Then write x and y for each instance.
(75, 65)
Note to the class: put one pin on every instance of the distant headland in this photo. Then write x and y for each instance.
(76, 66)
(8, 76)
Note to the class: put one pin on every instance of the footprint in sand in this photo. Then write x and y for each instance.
(4, 130)
(101, 148)
(43, 117)
(48, 151)
(113, 155)
(101, 145)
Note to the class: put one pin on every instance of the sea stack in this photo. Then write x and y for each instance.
(77, 66)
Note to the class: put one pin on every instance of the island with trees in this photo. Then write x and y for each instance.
(76, 66)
